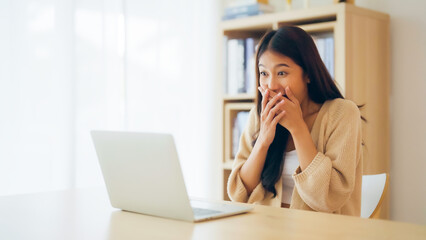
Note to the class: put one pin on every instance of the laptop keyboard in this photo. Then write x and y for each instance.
(203, 211)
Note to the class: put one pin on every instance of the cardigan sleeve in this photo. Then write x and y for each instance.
(329, 180)
(236, 189)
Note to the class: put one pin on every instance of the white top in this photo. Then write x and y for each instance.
(291, 163)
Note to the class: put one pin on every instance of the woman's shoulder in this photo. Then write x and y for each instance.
(339, 108)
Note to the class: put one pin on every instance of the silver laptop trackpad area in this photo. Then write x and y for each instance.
(206, 209)
(202, 208)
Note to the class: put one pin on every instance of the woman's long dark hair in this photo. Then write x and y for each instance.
(296, 44)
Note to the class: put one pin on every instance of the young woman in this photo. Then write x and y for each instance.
(302, 147)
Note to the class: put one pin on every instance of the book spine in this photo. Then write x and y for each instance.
(250, 65)
(228, 17)
(330, 55)
(240, 66)
(321, 48)
(238, 3)
(231, 52)
(235, 73)
(248, 9)
(239, 125)
(225, 64)
(235, 136)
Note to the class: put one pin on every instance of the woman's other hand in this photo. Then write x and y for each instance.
(293, 116)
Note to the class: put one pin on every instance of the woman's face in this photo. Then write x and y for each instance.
(278, 71)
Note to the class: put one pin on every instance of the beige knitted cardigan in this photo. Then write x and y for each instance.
(332, 181)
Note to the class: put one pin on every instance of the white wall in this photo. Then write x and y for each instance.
(71, 66)
(36, 96)
(407, 106)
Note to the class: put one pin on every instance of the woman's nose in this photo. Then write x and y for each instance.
(273, 83)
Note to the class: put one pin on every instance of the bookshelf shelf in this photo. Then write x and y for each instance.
(361, 69)
(254, 23)
(231, 111)
(239, 97)
(268, 20)
(227, 165)
(319, 27)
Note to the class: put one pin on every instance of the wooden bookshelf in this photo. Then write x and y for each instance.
(231, 110)
(239, 97)
(361, 71)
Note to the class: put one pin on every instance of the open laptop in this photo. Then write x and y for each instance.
(142, 174)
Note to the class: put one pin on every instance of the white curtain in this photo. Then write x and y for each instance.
(67, 67)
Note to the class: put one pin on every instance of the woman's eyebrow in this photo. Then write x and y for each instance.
(282, 64)
(278, 65)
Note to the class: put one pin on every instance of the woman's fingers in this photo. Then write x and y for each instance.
(271, 106)
(272, 94)
(265, 99)
(278, 117)
(274, 111)
(290, 95)
(272, 102)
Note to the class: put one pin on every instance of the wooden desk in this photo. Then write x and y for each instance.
(87, 214)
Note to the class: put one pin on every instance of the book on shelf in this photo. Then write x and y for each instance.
(325, 46)
(250, 59)
(240, 66)
(246, 10)
(235, 66)
(329, 46)
(240, 122)
(239, 3)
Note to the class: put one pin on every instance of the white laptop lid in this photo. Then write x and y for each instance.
(142, 173)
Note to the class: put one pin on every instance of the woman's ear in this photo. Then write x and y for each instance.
(307, 80)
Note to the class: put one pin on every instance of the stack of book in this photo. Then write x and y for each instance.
(237, 130)
(325, 46)
(240, 66)
(245, 8)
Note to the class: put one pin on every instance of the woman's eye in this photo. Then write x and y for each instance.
(263, 73)
(282, 73)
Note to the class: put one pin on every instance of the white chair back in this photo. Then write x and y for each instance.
(373, 187)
